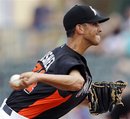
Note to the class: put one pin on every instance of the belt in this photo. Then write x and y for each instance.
(7, 109)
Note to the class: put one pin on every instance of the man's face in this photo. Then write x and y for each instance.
(92, 33)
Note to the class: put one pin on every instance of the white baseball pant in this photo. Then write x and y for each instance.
(7, 113)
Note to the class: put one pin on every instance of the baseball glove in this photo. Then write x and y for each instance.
(103, 96)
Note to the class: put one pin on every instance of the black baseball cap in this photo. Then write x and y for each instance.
(80, 14)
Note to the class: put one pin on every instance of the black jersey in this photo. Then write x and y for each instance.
(42, 101)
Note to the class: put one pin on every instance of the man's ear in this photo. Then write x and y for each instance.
(79, 29)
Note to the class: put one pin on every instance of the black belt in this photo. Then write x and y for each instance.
(7, 109)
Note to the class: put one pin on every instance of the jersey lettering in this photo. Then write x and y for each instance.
(48, 59)
(86, 87)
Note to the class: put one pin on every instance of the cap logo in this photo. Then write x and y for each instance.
(94, 11)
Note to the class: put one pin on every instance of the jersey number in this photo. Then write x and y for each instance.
(38, 68)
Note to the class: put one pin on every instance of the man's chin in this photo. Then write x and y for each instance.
(97, 41)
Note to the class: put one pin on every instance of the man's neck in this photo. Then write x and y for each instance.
(78, 45)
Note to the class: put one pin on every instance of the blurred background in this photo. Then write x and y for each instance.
(30, 28)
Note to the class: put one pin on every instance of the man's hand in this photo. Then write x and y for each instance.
(24, 80)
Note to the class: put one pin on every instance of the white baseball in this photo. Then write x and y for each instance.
(15, 80)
